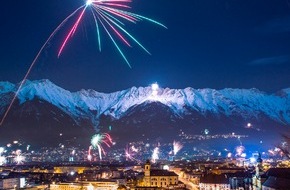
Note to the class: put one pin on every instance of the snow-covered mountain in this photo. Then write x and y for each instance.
(246, 103)
(43, 110)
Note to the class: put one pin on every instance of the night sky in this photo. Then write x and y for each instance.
(208, 44)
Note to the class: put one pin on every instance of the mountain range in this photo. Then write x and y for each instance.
(44, 112)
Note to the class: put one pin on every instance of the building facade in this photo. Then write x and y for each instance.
(214, 182)
(94, 185)
(12, 183)
(158, 178)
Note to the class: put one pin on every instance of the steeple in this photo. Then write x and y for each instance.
(147, 174)
(259, 166)
(147, 168)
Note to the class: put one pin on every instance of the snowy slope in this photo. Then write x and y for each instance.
(246, 103)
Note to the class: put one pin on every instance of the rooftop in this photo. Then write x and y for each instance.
(214, 179)
(156, 172)
(277, 183)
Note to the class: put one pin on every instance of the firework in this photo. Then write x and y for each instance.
(99, 139)
(134, 149)
(177, 146)
(2, 158)
(275, 152)
(89, 153)
(110, 15)
(107, 14)
(19, 158)
(240, 150)
(2, 150)
(155, 155)
(130, 153)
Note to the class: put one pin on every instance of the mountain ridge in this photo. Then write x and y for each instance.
(42, 111)
(246, 103)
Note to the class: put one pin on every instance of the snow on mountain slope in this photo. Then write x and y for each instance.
(91, 104)
(6, 87)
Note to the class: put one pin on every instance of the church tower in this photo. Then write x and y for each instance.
(257, 179)
(147, 170)
(259, 166)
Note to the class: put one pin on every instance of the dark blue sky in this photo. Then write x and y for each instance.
(208, 44)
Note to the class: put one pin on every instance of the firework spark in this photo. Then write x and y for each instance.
(177, 146)
(99, 139)
(107, 14)
(155, 155)
(2, 157)
(240, 150)
(19, 158)
(89, 153)
(2, 150)
(2, 160)
(130, 153)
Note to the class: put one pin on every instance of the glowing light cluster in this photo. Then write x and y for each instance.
(155, 88)
(240, 151)
(253, 160)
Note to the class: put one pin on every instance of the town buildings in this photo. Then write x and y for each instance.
(203, 175)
